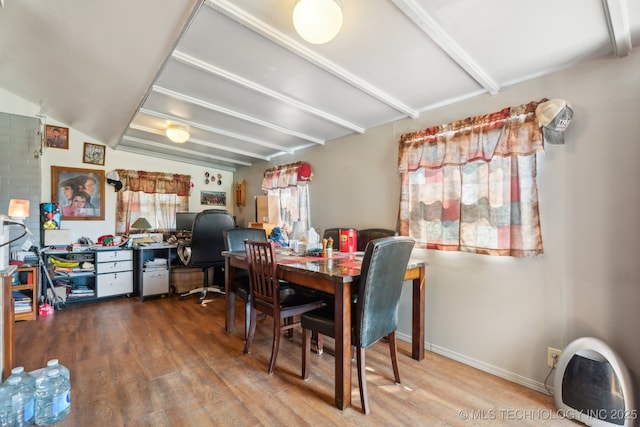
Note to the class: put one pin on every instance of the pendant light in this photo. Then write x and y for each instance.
(317, 21)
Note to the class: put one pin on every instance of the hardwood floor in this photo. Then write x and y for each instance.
(166, 362)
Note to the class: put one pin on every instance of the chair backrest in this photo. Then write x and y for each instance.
(334, 233)
(368, 234)
(207, 241)
(235, 237)
(263, 272)
(381, 277)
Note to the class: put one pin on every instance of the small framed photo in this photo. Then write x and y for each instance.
(57, 137)
(213, 198)
(93, 154)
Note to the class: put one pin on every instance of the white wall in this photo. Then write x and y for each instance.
(114, 159)
(501, 314)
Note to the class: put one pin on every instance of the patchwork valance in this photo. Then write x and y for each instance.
(285, 176)
(155, 182)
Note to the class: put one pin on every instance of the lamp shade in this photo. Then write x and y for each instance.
(141, 224)
(178, 133)
(18, 209)
(317, 21)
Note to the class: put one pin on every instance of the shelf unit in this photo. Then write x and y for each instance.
(24, 284)
(91, 274)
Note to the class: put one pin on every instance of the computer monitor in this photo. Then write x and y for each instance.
(184, 220)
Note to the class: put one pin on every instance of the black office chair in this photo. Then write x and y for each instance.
(234, 241)
(267, 296)
(368, 234)
(375, 314)
(206, 246)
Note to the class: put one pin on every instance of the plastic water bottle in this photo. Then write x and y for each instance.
(22, 403)
(53, 363)
(52, 398)
(6, 419)
(27, 378)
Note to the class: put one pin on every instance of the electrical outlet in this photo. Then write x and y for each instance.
(553, 355)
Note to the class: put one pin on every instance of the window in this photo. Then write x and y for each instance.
(471, 185)
(290, 184)
(155, 196)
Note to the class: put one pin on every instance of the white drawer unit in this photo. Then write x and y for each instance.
(111, 284)
(152, 268)
(114, 266)
(156, 282)
(114, 272)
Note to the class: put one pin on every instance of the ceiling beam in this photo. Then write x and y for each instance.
(618, 23)
(218, 131)
(430, 27)
(241, 81)
(237, 14)
(236, 114)
(202, 143)
(183, 150)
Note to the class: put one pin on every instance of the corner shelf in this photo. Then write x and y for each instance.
(27, 279)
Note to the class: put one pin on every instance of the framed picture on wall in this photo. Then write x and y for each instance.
(213, 198)
(80, 192)
(57, 137)
(93, 154)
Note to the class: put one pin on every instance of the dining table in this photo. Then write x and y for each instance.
(337, 275)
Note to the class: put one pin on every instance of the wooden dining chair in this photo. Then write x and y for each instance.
(375, 312)
(268, 296)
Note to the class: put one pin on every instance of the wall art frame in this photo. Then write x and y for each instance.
(56, 137)
(213, 198)
(93, 154)
(80, 193)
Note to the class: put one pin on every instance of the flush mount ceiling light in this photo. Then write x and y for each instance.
(177, 133)
(317, 21)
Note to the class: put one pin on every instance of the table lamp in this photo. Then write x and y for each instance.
(141, 224)
(18, 212)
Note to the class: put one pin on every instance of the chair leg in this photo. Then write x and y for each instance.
(252, 330)
(319, 344)
(276, 344)
(247, 318)
(362, 380)
(306, 352)
(393, 347)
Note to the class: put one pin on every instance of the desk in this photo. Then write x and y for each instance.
(335, 276)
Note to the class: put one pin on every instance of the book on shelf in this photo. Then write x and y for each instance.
(21, 296)
(18, 309)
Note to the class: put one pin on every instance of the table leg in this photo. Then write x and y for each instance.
(417, 332)
(343, 345)
(229, 296)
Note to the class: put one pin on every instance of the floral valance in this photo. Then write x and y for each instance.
(155, 182)
(285, 176)
(510, 131)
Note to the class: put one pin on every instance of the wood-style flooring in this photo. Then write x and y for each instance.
(166, 362)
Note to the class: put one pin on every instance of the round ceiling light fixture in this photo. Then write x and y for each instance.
(178, 133)
(317, 21)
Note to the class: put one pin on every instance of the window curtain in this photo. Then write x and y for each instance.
(155, 196)
(290, 184)
(470, 185)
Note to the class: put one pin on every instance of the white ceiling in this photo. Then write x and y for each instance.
(251, 89)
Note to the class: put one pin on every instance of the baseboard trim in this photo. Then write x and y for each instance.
(485, 367)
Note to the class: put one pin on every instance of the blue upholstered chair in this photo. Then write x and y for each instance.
(375, 314)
